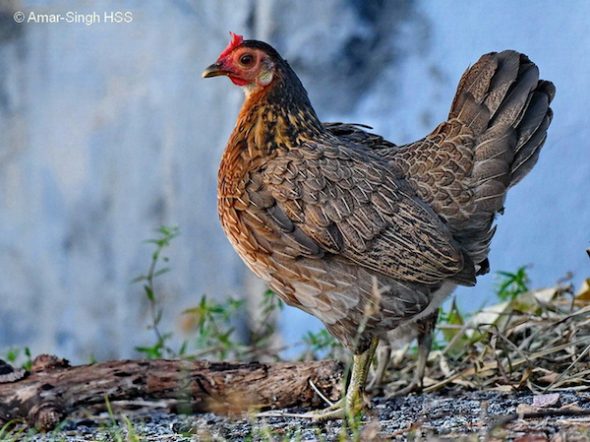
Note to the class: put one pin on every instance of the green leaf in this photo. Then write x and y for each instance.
(511, 285)
(320, 341)
(138, 279)
(161, 272)
(149, 292)
(153, 352)
(12, 355)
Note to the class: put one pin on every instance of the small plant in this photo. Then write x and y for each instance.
(9, 433)
(320, 344)
(214, 329)
(114, 430)
(511, 285)
(161, 242)
(270, 303)
(442, 322)
(449, 327)
(15, 355)
(352, 426)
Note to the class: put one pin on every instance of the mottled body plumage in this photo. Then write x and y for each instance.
(357, 231)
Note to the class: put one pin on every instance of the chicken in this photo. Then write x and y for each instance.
(367, 236)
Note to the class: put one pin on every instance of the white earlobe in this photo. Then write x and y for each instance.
(265, 78)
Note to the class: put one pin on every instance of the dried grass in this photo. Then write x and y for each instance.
(538, 341)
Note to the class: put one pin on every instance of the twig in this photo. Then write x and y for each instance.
(493, 365)
(562, 374)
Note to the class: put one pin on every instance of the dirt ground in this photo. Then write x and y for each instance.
(563, 416)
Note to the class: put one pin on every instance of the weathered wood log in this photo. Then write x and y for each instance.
(54, 389)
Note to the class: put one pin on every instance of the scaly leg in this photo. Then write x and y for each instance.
(358, 378)
(425, 338)
(353, 400)
(383, 359)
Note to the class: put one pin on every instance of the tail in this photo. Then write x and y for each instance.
(506, 107)
(496, 128)
(503, 102)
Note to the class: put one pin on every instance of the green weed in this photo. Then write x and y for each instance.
(214, 329)
(19, 356)
(160, 348)
(511, 285)
(320, 344)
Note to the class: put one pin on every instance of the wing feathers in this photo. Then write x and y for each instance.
(371, 217)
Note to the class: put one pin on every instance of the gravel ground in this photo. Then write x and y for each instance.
(465, 416)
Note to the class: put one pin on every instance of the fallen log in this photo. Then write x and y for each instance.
(53, 389)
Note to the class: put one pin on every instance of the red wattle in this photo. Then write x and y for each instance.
(238, 81)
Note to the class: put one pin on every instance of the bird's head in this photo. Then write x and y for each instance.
(248, 63)
(263, 75)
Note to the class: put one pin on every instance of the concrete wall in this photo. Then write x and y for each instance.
(107, 132)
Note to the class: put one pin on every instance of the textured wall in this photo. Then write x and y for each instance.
(107, 131)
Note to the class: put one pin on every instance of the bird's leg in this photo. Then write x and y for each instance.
(424, 347)
(383, 359)
(361, 364)
(425, 338)
(353, 400)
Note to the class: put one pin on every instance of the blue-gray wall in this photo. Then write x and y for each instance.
(107, 131)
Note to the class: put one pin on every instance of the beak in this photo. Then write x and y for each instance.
(215, 70)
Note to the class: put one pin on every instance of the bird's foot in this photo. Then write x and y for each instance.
(350, 407)
(338, 410)
(353, 402)
(334, 411)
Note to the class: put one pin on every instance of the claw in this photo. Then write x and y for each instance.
(352, 403)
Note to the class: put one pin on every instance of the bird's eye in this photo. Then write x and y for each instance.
(246, 59)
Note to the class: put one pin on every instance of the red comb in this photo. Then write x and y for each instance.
(236, 40)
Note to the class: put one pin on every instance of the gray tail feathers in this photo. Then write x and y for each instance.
(506, 106)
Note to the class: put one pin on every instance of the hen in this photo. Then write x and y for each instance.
(367, 236)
